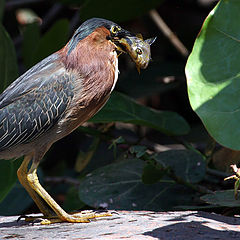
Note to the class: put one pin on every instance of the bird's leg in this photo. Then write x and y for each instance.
(22, 177)
(62, 216)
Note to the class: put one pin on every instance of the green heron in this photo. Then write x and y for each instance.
(57, 95)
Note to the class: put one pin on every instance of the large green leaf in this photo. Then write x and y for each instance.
(8, 60)
(117, 10)
(123, 109)
(119, 186)
(213, 74)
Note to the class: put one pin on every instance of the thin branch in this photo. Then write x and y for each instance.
(17, 4)
(58, 180)
(168, 32)
(74, 23)
(217, 173)
(51, 15)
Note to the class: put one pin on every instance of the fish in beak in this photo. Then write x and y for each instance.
(138, 49)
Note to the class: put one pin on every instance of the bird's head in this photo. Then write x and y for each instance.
(125, 41)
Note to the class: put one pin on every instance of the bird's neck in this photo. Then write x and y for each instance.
(94, 60)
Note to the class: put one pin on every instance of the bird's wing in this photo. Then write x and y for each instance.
(34, 103)
(34, 77)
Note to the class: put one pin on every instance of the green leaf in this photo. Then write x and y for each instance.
(31, 37)
(186, 164)
(213, 74)
(8, 60)
(138, 150)
(115, 10)
(8, 176)
(53, 40)
(121, 108)
(120, 186)
(222, 198)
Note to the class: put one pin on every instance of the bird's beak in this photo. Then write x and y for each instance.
(137, 48)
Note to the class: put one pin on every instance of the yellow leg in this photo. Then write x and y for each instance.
(22, 177)
(62, 216)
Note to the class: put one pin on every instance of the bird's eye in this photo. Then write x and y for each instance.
(139, 51)
(115, 29)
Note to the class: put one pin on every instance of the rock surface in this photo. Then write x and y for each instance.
(130, 225)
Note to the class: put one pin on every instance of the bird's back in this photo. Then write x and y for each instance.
(32, 104)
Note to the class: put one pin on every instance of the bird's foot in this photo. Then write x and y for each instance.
(79, 217)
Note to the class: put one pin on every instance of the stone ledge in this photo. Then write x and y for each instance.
(130, 225)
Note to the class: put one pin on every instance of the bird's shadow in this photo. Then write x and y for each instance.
(198, 230)
(15, 223)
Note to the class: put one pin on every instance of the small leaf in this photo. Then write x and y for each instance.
(114, 143)
(186, 164)
(121, 108)
(222, 198)
(8, 60)
(138, 150)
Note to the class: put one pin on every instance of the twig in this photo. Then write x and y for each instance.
(168, 32)
(51, 15)
(74, 22)
(195, 187)
(16, 3)
(58, 180)
(217, 173)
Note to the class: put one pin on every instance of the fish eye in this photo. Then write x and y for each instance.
(139, 51)
(115, 29)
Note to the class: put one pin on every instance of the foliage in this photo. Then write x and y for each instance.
(144, 182)
(137, 151)
(121, 108)
(213, 74)
(213, 78)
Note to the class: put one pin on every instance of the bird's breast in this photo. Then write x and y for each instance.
(94, 81)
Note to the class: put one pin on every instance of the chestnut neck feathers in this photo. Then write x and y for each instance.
(90, 54)
(94, 58)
